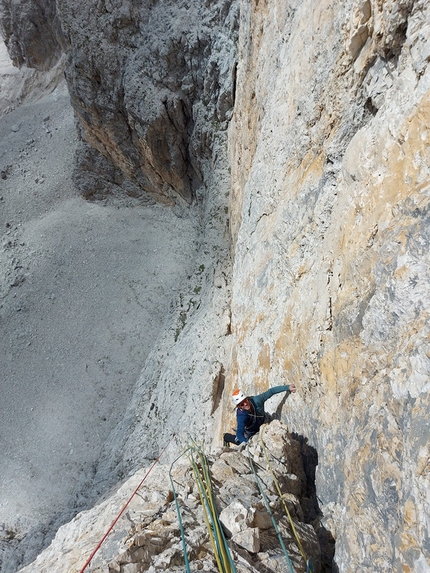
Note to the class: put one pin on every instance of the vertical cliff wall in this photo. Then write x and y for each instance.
(329, 227)
(150, 84)
(330, 216)
(32, 33)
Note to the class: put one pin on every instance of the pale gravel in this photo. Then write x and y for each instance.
(84, 290)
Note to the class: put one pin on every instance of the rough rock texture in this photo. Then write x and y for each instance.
(329, 218)
(330, 211)
(84, 293)
(150, 84)
(32, 32)
(147, 536)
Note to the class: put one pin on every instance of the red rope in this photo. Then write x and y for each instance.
(123, 509)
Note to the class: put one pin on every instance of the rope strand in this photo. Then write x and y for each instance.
(266, 503)
(278, 488)
(123, 509)
(181, 527)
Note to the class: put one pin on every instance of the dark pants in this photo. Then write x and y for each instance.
(230, 439)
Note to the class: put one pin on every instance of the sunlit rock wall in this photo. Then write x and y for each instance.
(329, 215)
(151, 83)
(331, 285)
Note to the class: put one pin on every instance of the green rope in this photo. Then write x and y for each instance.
(278, 488)
(266, 503)
(219, 543)
(221, 550)
(221, 540)
(207, 514)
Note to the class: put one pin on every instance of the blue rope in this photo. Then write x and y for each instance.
(181, 527)
(266, 503)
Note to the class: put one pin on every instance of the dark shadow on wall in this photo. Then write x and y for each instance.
(309, 502)
(218, 389)
(278, 411)
(311, 508)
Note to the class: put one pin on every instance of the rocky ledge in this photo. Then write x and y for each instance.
(147, 536)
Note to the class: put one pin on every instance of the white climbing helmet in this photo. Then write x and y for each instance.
(238, 396)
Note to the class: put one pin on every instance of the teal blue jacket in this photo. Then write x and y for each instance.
(248, 423)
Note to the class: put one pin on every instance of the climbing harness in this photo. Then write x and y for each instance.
(278, 488)
(124, 508)
(266, 503)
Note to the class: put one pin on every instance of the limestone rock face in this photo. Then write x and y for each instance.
(329, 221)
(150, 84)
(147, 536)
(32, 32)
(330, 215)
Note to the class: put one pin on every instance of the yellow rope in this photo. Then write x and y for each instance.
(207, 500)
(211, 500)
(205, 512)
(282, 499)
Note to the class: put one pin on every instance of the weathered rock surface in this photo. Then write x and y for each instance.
(32, 32)
(150, 85)
(147, 536)
(330, 210)
(84, 292)
(329, 219)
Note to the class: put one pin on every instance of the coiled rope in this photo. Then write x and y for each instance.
(124, 508)
(266, 503)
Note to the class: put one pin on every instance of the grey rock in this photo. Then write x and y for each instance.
(133, 96)
(149, 538)
(32, 33)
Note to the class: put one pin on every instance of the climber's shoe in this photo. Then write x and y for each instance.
(229, 439)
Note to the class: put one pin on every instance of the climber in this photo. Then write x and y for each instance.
(250, 413)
